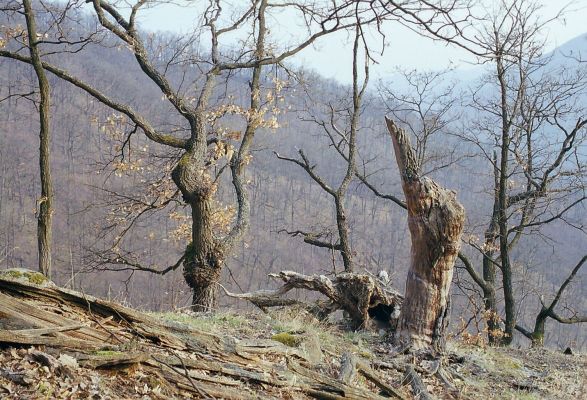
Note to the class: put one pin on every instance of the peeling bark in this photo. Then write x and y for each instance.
(435, 220)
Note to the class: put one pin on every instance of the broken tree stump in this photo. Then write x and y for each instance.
(436, 220)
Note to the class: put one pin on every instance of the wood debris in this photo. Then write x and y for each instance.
(66, 333)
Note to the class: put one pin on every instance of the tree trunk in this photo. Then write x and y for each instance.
(494, 332)
(343, 233)
(508, 292)
(538, 334)
(204, 258)
(490, 303)
(45, 203)
(204, 255)
(203, 279)
(436, 221)
(502, 197)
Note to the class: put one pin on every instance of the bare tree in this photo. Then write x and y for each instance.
(427, 108)
(341, 127)
(45, 202)
(548, 311)
(31, 39)
(529, 132)
(195, 174)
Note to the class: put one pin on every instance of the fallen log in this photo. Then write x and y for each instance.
(362, 296)
(372, 376)
(10, 337)
(20, 378)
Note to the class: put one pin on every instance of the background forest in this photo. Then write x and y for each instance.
(114, 198)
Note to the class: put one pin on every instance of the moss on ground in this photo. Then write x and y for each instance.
(31, 276)
(108, 353)
(45, 390)
(287, 339)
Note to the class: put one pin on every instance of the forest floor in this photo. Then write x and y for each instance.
(59, 344)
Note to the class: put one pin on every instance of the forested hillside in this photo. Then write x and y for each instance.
(101, 178)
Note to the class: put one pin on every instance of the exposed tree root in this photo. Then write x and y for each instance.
(362, 296)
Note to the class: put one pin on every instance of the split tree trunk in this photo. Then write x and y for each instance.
(435, 220)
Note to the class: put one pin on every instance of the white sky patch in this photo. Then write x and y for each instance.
(331, 56)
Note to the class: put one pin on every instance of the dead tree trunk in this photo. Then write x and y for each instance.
(435, 220)
(362, 296)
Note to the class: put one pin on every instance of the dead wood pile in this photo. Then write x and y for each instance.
(69, 330)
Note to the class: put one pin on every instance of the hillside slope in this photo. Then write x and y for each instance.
(282, 198)
(58, 343)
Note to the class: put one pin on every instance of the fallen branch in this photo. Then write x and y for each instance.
(371, 375)
(48, 331)
(412, 378)
(187, 376)
(20, 378)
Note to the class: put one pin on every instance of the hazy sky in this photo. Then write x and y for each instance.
(332, 57)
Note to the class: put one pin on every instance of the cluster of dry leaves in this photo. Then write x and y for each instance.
(24, 375)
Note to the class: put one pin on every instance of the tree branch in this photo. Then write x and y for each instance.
(560, 291)
(150, 132)
(118, 259)
(305, 164)
(312, 238)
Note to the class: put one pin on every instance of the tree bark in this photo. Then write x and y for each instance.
(45, 203)
(343, 233)
(435, 220)
(502, 199)
(539, 327)
(204, 256)
(494, 333)
(204, 259)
